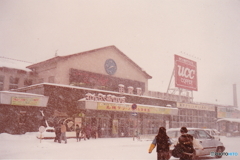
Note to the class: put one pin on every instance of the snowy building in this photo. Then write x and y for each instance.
(100, 74)
(111, 112)
(104, 68)
(21, 112)
(98, 88)
(14, 74)
(228, 122)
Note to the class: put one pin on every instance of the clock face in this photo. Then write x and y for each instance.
(110, 66)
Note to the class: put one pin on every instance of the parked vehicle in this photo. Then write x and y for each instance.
(213, 132)
(206, 140)
(49, 133)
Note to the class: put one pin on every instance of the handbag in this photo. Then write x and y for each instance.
(177, 151)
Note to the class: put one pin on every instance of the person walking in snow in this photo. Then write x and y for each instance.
(88, 132)
(57, 133)
(63, 132)
(78, 129)
(94, 132)
(188, 143)
(162, 141)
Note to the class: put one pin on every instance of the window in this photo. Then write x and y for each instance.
(13, 83)
(28, 82)
(195, 112)
(175, 118)
(51, 79)
(22, 117)
(1, 82)
(203, 135)
(182, 112)
(40, 80)
(193, 133)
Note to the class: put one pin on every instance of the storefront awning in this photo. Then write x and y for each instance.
(23, 99)
(127, 107)
(229, 120)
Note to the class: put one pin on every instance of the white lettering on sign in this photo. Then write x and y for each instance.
(108, 98)
(186, 81)
(186, 72)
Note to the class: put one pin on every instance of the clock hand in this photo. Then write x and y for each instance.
(111, 67)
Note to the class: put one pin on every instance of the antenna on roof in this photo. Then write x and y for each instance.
(56, 53)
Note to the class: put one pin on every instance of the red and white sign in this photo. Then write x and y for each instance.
(185, 73)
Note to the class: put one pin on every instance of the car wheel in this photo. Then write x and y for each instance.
(219, 152)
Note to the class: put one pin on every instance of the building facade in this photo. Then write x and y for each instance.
(99, 88)
(105, 68)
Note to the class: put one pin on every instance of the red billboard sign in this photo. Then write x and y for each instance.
(185, 73)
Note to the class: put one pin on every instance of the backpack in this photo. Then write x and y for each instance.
(177, 151)
(186, 143)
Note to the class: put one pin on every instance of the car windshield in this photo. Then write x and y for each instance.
(192, 132)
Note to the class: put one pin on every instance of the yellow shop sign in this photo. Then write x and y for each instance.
(127, 107)
(25, 101)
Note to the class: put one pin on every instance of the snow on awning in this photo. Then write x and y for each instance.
(23, 99)
(229, 120)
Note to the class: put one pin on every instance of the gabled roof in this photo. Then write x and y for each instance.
(57, 58)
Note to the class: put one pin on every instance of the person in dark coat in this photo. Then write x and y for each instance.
(88, 132)
(57, 133)
(162, 141)
(94, 132)
(188, 143)
(78, 130)
(99, 131)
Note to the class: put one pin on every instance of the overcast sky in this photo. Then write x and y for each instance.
(149, 32)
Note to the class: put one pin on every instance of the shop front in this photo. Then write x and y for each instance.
(228, 121)
(121, 120)
(109, 113)
(21, 112)
(229, 126)
(195, 115)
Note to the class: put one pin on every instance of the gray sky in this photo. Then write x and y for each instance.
(149, 32)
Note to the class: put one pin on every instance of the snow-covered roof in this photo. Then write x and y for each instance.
(229, 120)
(14, 64)
(77, 87)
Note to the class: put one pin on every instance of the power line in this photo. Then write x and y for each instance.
(16, 59)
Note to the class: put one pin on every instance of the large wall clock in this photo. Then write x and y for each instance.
(110, 66)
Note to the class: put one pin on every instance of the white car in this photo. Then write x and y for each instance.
(206, 140)
(213, 132)
(49, 133)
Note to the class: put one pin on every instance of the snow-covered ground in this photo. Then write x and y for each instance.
(27, 146)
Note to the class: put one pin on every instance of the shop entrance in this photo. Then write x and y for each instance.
(104, 127)
(123, 126)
